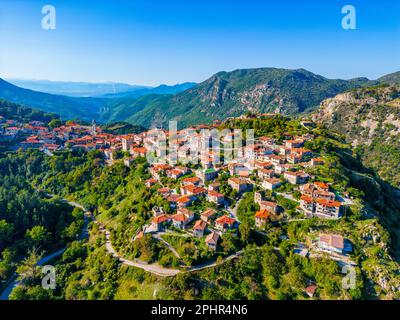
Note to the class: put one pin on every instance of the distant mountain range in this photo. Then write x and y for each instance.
(66, 107)
(391, 78)
(70, 107)
(225, 94)
(106, 89)
(161, 89)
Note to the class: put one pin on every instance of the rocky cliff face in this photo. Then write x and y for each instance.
(369, 118)
(383, 276)
(360, 114)
(218, 92)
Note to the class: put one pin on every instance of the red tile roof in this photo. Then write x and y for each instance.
(262, 214)
(328, 203)
(173, 197)
(191, 180)
(237, 181)
(216, 194)
(174, 172)
(225, 220)
(160, 219)
(322, 185)
(269, 204)
(184, 199)
(273, 180)
(311, 289)
(208, 213)
(141, 150)
(193, 189)
(212, 238)
(200, 225)
(306, 198)
(179, 217)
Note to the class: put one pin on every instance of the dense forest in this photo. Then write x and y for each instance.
(30, 223)
(23, 114)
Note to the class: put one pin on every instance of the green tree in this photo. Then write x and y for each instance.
(245, 231)
(6, 231)
(39, 235)
(55, 123)
(228, 243)
(29, 271)
(6, 263)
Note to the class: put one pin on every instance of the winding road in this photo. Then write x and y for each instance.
(152, 268)
(155, 268)
(159, 270)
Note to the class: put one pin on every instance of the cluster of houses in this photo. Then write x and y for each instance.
(271, 164)
(264, 164)
(192, 187)
(36, 131)
(317, 200)
(209, 222)
(37, 135)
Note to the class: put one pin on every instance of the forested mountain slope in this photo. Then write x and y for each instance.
(228, 94)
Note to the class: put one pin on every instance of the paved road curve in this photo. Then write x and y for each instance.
(152, 268)
(6, 293)
(156, 268)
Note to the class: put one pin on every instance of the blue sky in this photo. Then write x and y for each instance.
(139, 42)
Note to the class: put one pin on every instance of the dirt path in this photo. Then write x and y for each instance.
(153, 268)
(158, 237)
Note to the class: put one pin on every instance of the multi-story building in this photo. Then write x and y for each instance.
(216, 197)
(328, 209)
(207, 215)
(298, 177)
(271, 183)
(207, 175)
(261, 218)
(199, 227)
(294, 143)
(239, 184)
(333, 243)
(321, 208)
(225, 223)
(212, 241)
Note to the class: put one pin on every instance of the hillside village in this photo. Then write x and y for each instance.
(203, 197)
(222, 154)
